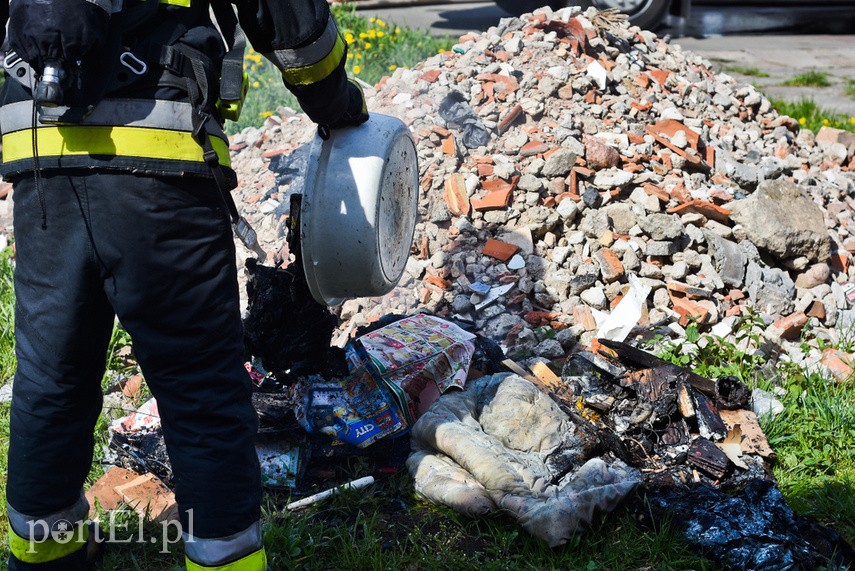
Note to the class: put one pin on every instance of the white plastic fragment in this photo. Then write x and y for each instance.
(627, 313)
(354, 485)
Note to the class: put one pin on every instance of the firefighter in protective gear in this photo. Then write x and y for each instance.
(121, 209)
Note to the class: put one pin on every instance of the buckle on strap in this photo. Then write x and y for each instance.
(173, 61)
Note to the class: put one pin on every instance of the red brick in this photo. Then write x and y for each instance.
(610, 265)
(659, 75)
(497, 184)
(149, 497)
(104, 489)
(539, 317)
(502, 251)
(441, 131)
(791, 326)
(495, 200)
(838, 362)
(509, 118)
(430, 75)
(484, 170)
(680, 194)
(687, 309)
(508, 83)
(656, 191)
(816, 309)
(437, 281)
(455, 195)
(533, 147)
(704, 208)
(274, 152)
(448, 146)
(840, 261)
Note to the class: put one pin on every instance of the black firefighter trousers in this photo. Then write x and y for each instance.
(158, 253)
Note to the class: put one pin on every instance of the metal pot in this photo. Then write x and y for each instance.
(358, 210)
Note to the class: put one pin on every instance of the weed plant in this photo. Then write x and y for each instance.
(811, 116)
(749, 71)
(808, 79)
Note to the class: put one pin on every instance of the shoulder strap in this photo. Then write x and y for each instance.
(231, 78)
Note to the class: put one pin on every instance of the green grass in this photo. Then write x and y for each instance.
(808, 79)
(849, 89)
(7, 369)
(811, 116)
(375, 48)
(7, 317)
(749, 71)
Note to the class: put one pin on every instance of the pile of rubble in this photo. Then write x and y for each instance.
(564, 152)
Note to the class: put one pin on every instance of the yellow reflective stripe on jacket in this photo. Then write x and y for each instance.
(75, 140)
(255, 561)
(48, 550)
(182, 3)
(317, 71)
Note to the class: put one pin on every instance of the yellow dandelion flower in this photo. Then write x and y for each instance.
(393, 67)
(381, 23)
(802, 120)
(265, 114)
(368, 45)
(825, 121)
(380, 34)
(256, 84)
(362, 35)
(397, 30)
(358, 56)
(349, 56)
(852, 120)
(356, 69)
(372, 19)
(348, 37)
(372, 34)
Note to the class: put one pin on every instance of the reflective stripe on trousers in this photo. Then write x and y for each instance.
(241, 551)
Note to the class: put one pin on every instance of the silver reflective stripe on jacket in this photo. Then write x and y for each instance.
(156, 114)
(222, 550)
(38, 528)
(307, 55)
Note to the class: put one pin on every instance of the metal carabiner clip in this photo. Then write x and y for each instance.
(133, 63)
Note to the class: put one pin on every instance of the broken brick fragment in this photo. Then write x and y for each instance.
(448, 146)
(703, 207)
(839, 363)
(456, 196)
(502, 251)
(817, 310)
(791, 326)
(689, 310)
(610, 265)
(533, 147)
(494, 200)
(430, 75)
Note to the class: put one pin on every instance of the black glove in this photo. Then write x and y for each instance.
(357, 110)
(64, 30)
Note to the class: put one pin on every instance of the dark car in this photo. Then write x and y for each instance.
(650, 13)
